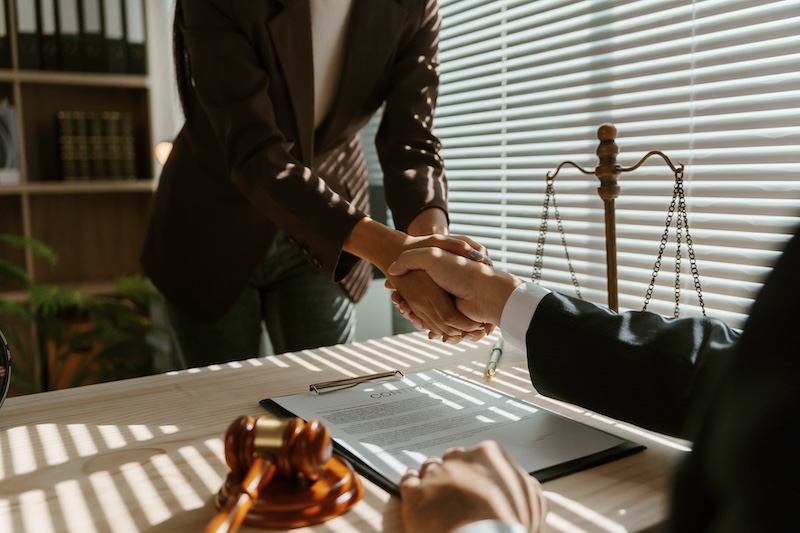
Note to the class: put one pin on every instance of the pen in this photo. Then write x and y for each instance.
(494, 359)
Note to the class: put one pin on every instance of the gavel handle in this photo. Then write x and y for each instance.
(230, 517)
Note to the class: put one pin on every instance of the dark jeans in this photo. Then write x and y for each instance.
(299, 306)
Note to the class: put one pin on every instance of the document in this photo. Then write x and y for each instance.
(385, 428)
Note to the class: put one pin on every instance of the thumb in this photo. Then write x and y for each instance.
(397, 268)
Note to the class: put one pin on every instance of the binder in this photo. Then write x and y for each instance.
(379, 426)
(135, 36)
(49, 35)
(29, 50)
(69, 42)
(92, 38)
(5, 46)
(116, 56)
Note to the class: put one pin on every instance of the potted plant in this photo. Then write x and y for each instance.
(83, 338)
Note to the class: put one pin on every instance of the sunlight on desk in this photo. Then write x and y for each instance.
(147, 454)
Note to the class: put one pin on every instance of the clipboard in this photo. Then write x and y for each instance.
(536, 430)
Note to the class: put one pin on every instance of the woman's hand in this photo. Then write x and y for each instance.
(465, 486)
(405, 309)
(426, 304)
(480, 291)
(434, 307)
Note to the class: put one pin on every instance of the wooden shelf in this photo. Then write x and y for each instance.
(81, 79)
(97, 227)
(53, 187)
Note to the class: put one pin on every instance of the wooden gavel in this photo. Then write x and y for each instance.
(283, 475)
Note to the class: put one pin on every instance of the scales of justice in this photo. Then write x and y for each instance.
(283, 473)
(608, 172)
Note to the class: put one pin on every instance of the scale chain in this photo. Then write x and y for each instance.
(682, 225)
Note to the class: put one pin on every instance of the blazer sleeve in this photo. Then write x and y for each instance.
(413, 170)
(232, 86)
(638, 367)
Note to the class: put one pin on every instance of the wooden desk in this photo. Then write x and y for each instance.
(146, 454)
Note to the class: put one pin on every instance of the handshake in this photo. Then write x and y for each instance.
(448, 286)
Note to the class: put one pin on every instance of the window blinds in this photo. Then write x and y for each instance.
(714, 84)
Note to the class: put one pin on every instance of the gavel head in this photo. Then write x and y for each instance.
(294, 447)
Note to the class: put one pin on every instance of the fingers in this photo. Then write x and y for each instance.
(466, 486)
(429, 464)
(414, 259)
(432, 305)
(402, 306)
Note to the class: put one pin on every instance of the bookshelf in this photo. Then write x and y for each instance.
(96, 225)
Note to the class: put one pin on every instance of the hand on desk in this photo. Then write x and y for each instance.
(466, 486)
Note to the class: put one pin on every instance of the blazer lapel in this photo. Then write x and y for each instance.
(290, 32)
(372, 34)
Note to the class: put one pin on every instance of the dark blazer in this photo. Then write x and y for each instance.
(736, 397)
(248, 162)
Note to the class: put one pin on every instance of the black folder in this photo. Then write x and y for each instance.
(114, 35)
(135, 36)
(69, 41)
(619, 447)
(49, 35)
(92, 37)
(5, 46)
(29, 48)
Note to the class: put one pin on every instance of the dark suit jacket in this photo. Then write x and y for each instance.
(737, 398)
(248, 161)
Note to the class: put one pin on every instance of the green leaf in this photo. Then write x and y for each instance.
(37, 248)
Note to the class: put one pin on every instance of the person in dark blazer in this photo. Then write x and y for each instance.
(734, 395)
(263, 202)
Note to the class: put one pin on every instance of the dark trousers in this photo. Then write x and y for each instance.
(300, 308)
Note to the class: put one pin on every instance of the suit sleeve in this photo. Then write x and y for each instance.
(636, 366)
(413, 170)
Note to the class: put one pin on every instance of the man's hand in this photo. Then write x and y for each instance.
(431, 306)
(467, 486)
(480, 291)
(381, 246)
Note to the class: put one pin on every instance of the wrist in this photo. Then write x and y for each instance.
(498, 292)
(374, 242)
(429, 221)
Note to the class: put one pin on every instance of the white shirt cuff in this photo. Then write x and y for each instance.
(518, 313)
(491, 526)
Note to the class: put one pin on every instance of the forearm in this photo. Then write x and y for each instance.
(374, 242)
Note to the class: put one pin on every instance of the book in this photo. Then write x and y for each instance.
(97, 145)
(127, 146)
(73, 145)
(383, 428)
